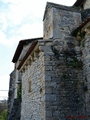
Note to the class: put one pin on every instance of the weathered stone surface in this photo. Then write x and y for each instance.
(15, 113)
(56, 83)
(67, 20)
(14, 105)
(87, 4)
(32, 106)
(85, 14)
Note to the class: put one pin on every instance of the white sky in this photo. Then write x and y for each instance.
(19, 19)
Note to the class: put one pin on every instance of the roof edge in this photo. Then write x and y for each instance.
(81, 26)
(20, 47)
(27, 54)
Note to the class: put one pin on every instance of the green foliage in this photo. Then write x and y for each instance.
(3, 106)
(19, 91)
(3, 115)
(77, 64)
(79, 32)
(83, 43)
(82, 34)
(74, 62)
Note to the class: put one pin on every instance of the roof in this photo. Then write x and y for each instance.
(20, 47)
(79, 3)
(85, 22)
(81, 26)
(27, 54)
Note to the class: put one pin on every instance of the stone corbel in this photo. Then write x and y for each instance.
(32, 58)
(26, 67)
(35, 55)
(29, 61)
(22, 70)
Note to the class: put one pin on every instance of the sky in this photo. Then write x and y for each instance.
(19, 19)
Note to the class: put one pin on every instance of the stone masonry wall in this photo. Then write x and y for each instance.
(55, 84)
(67, 21)
(33, 102)
(14, 105)
(64, 96)
(56, 76)
(48, 24)
(87, 4)
(85, 48)
(59, 20)
(11, 92)
(64, 88)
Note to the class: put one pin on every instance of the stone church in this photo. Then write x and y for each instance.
(51, 78)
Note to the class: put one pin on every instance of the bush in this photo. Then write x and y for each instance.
(3, 115)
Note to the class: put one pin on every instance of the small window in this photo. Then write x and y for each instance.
(29, 86)
(82, 6)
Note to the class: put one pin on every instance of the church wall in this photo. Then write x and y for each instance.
(62, 85)
(56, 84)
(86, 67)
(48, 24)
(33, 90)
(64, 89)
(14, 104)
(64, 96)
(58, 21)
(64, 22)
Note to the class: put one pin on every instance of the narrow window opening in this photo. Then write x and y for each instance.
(29, 86)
